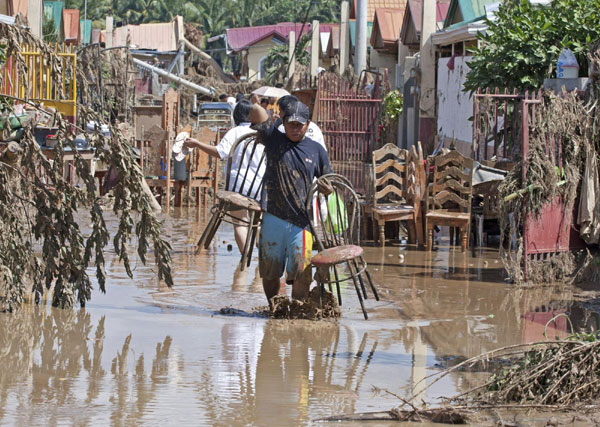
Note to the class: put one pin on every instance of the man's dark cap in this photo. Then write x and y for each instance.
(296, 112)
(284, 101)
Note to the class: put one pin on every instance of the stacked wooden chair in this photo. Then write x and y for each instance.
(398, 187)
(241, 192)
(449, 201)
(334, 221)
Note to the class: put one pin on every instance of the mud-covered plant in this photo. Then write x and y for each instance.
(393, 104)
(51, 231)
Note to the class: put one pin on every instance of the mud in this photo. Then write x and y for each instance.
(316, 307)
(147, 354)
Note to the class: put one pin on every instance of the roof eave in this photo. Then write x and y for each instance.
(458, 34)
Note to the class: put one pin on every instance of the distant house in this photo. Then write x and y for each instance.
(70, 27)
(384, 41)
(30, 9)
(410, 35)
(253, 43)
(455, 106)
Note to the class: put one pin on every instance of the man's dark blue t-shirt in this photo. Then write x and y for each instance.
(291, 168)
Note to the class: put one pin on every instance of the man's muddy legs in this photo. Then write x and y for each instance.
(301, 285)
(271, 288)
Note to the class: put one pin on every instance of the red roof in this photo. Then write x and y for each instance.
(372, 5)
(386, 27)
(242, 38)
(17, 6)
(414, 10)
(71, 25)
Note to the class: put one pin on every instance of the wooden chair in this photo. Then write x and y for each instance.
(449, 203)
(396, 193)
(334, 225)
(242, 192)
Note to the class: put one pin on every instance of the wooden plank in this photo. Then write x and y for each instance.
(453, 184)
(390, 189)
(452, 172)
(390, 176)
(389, 149)
(447, 196)
(390, 163)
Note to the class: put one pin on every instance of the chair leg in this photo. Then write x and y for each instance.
(337, 285)
(410, 227)
(248, 239)
(354, 271)
(419, 226)
(381, 233)
(208, 230)
(464, 233)
(429, 236)
(213, 231)
(360, 299)
(254, 231)
(369, 279)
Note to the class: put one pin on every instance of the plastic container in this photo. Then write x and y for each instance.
(567, 66)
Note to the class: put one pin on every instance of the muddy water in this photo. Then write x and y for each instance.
(145, 354)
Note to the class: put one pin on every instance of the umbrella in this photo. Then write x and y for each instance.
(271, 92)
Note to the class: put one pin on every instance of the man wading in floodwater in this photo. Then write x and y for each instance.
(293, 161)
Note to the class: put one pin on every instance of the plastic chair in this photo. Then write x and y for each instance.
(242, 192)
(334, 222)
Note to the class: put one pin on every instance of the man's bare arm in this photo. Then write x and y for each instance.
(207, 148)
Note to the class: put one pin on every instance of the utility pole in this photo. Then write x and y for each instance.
(360, 52)
(109, 31)
(291, 56)
(344, 38)
(427, 124)
(84, 20)
(315, 49)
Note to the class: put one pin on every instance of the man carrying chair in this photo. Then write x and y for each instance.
(293, 161)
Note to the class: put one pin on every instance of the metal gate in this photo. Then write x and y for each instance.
(503, 125)
(349, 118)
(552, 231)
(39, 84)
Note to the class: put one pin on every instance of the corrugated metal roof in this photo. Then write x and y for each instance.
(160, 36)
(242, 38)
(53, 10)
(86, 30)
(386, 28)
(333, 46)
(464, 11)
(18, 6)
(372, 5)
(413, 15)
(71, 25)
(352, 25)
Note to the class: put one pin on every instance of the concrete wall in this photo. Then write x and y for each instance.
(255, 54)
(454, 106)
(382, 60)
(34, 16)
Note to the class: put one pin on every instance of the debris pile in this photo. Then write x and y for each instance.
(574, 122)
(284, 308)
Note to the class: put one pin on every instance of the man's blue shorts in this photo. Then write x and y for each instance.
(282, 246)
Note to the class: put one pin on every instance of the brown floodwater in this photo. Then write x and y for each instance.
(146, 354)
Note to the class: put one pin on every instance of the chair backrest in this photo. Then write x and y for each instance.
(334, 219)
(416, 182)
(452, 182)
(389, 175)
(245, 166)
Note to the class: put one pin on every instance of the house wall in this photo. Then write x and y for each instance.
(381, 60)
(255, 54)
(455, 107)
